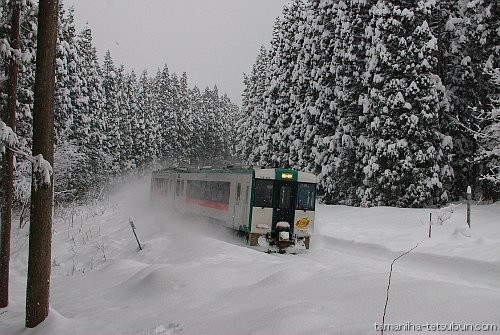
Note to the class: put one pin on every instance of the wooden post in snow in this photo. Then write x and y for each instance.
(430, 224)
(132, 225)
(469, 196)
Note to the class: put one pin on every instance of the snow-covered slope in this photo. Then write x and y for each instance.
(194, 278)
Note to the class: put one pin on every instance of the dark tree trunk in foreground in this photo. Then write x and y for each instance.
(39, 261)
(7, 190)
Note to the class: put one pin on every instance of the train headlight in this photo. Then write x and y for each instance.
(284, 236)
(287, 176)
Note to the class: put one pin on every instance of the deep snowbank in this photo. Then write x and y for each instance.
(194, 278)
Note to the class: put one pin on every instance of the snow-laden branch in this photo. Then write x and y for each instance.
(17, 55)
(42, 170)
(477, 134)
(7, 137)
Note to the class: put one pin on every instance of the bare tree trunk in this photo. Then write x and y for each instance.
(9, 117)
(39, 261)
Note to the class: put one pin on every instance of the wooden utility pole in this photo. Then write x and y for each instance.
(39, 258)
(7, 189)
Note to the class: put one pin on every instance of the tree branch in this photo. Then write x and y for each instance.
(41, 168)
(389, 285)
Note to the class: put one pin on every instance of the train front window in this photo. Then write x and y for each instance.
(305, 196)
(284, 201)
(263, 193)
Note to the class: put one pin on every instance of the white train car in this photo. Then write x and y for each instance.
(273, 208)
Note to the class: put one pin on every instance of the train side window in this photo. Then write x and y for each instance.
(155, 184)
(192, 189)
(263, 193)
(178, 188)
(306, 194)
(226, 190)
(238, 193)
(216, 191)
(164, 188)
(188, 188)
(220, 191)
(205, 191)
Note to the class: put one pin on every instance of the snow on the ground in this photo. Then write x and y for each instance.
(195, 278)
(400, 228)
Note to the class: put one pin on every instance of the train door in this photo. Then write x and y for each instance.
(237, 209)
(285, 193)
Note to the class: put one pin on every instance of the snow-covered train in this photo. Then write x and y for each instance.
(273, 208)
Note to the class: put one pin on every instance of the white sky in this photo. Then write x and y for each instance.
(214, 41)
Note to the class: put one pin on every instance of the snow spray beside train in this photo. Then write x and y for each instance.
(273, 208)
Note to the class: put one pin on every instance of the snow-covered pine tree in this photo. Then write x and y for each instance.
(111, 113)
(325, 61)
(157, 113)
(211, 120)
(184, 122)
(28, 24)
(281, 100)
(79, 117)
(198, 126)
(406, 155)
(175, 116)
(489, 136)
(72, 123)
(125, 84)
(303, 92)
(92, 105)
(130, 121)
(138, 125)
(151, 124)
(163, 106)
(64, 55)
(341, 61)
(349, 93)
(243, 124)
(228, 115)
(254, 125)
(489, 153)
(471, 32)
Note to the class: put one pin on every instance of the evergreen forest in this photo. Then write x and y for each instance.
(393, 103)
(111, 124)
